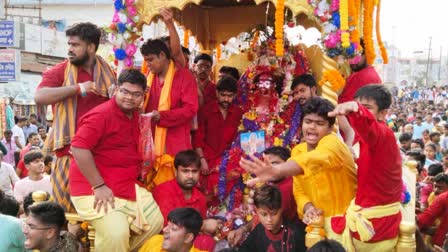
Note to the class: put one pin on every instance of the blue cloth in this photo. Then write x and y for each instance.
(9, 115)
(418, 131)
(11, 236)
(27, 130)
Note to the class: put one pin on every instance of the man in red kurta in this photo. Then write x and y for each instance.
(203, 64)
(182, 192)
(438, 209)
(73, 87)
(362, 75)
(183, 97)
(218, 125)
(105, 168)
(379, 171)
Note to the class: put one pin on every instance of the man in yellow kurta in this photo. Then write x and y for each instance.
(323, 167)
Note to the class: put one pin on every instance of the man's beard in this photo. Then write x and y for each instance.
(80, 61)
(224, 105)
(358, 67)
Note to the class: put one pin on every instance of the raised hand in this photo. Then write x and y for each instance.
(262, 169)
(344, 109)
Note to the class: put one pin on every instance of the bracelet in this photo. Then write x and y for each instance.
(83, 90)
(98, 186)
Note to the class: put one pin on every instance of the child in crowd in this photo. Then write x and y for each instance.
(36, 180)
(430, 154)
(427, 184)
(273, 233)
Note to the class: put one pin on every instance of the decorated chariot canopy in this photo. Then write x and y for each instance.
(342, 23)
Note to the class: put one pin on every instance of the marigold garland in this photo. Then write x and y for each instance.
(186, 38)
(368, 30)
(378, 34)
(343, 13)
(335, 78)
(218, 52)
(279, 20)
(144, 68)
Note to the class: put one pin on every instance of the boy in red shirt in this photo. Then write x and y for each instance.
(379, 174)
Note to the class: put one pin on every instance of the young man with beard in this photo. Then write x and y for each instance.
(322, 161)
(42, 229)
(105, 167)
(172, 99)
(182, 191)
(184, 225)
(362, 75)
(218, 125)
(73, 87)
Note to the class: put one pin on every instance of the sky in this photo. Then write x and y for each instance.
(409, 23)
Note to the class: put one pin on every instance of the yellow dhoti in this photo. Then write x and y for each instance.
(113, 228)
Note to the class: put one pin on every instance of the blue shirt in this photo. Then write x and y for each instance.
(27, 130)
(11, 235)
(418, 131)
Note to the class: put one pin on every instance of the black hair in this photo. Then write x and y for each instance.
(321, 107)
(32, 134)
(155, 46)
(22, 119)
(29, 201)
(203, 56)
(189, 218)
(187, 158)
(33, 115)
(378, 93)
(268, 196)
(441, 178)
(31, 156)
(327, 246)
(48, 159)
(305, 79)
(232, 71)
(419, 118)
(186, 51)
(433, 146)
(7, 132)
(404, 137)
(419, 157)
(433, 134)
(227, 84)
(49, 213)
(132, 76)
(419, 141)
(435, 169)
(40, 127)
(281, 152)
(87, 32)
(9, 205)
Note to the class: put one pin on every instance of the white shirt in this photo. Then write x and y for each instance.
(8, 178)
(25, 186)
(18, 132)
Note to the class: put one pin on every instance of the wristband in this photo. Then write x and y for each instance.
(83, 90)
(98, 186)
(78, 89)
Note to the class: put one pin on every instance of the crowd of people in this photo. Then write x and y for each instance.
(207, 188)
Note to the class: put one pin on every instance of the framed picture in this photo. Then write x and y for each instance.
(252, 142)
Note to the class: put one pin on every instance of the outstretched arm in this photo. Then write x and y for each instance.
(52, 95)
(175, 48)
(265, 171)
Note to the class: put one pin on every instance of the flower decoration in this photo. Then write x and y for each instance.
(279, 21)
(335, 78)
(123, 33)
(340, 22)
(405, 195)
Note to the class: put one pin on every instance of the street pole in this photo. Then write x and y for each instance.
(427, 63)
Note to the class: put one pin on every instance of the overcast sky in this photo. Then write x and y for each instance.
(415, 21)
